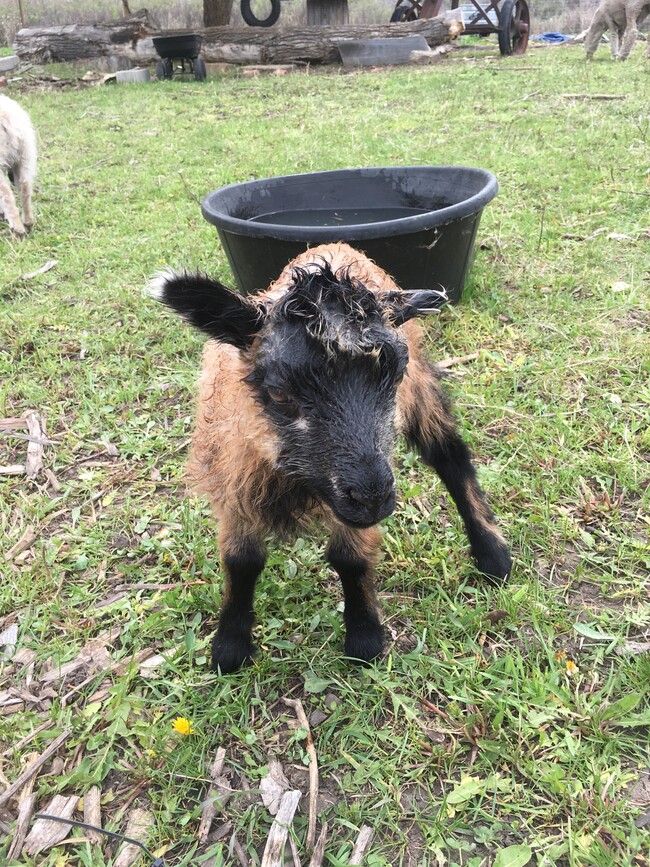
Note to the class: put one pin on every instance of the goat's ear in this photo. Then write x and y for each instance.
(408, 304)
(210, 306)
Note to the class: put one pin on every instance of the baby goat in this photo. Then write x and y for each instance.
(303, 390)
(17, 164)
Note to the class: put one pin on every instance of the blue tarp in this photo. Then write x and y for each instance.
(551, 37)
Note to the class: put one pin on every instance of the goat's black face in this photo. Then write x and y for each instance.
(327, 367)
(327, 359)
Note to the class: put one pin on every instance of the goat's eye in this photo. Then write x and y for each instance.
(278, 396)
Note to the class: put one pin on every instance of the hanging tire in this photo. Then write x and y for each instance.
(200, 72)
(164, 69)
(514, 27)
(251, 18)
(405, 12)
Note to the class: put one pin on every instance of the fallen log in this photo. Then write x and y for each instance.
(133, 41)
(76, 41)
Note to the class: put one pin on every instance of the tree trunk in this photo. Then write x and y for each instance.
(220, 44)
(216, 13)
(321, 12)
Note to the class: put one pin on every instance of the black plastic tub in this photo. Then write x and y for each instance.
(417, 222)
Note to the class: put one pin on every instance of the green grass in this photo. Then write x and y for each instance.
(474, 735)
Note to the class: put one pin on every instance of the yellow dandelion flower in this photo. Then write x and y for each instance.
(560, 655)
(571, 667)
(183, 726)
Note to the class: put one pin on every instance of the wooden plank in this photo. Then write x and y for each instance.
(274, 849)
(46, 833)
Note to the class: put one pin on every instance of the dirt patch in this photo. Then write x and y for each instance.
(634, 318)
(639, 793)
(31, 81)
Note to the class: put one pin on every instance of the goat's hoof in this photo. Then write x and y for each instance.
(495, 564)
(230, 653)
(364, 642)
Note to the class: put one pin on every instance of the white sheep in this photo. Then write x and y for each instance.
(622, 19)
(17, 164)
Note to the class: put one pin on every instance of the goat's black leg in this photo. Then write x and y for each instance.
(352, 553)
(431, 429)
(243, 560)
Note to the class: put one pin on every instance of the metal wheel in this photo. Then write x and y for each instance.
(514, 27)
(164, 69)
(405, 10)
(250, 8)
(200, 72)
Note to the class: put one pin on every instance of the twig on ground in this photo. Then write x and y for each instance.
(509, 68)
(35, 766)
(26, 541)
(53, 481)
(133, 794)
(217, 797)
(541, 227)
(296, 704)
(24, 741)
(593, 96)
(189, 192)
(34, 461)
(51, 263)
(25, 812)
(629, 192)
(12, 470)
(319, 850)
(363, 841)
(274, 849)
(432, 707)
(8, 425)
(221, 832)
(118, 669)
(152, 586)
(239, 852)
(28, 438)
(457, 359)
(294, 851)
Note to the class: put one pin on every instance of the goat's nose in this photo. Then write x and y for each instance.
(374, 501)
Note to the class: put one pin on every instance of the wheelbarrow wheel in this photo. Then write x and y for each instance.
(514, 27)
(164, 69)
(251, 18)
(200, 72)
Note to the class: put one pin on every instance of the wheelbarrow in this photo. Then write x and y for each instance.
(180, 56)
(509, 18)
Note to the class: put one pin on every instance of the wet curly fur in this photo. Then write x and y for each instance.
(304, 388)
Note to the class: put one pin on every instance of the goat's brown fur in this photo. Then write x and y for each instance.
(235, 461)
(234, 447)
